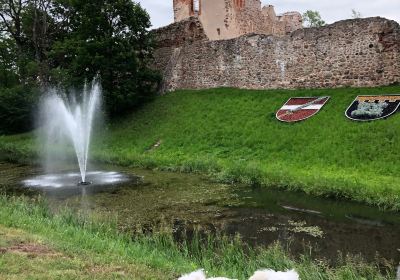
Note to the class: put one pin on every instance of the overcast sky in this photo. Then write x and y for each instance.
(331, 10)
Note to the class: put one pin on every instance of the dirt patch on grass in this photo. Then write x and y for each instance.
(30, 249)
(16, 241)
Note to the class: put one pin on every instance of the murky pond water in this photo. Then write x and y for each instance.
(260, 216)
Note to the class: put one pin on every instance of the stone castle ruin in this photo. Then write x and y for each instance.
(236, 43)
(224, 19)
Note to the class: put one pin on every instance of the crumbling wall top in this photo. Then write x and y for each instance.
(225, 19)
(180, 33)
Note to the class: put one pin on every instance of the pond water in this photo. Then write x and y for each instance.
(260, 216)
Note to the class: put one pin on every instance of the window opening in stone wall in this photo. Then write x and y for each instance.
(196, 6)
(239, 3)
(219, 31)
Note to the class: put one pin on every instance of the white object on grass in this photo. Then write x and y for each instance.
(200, 275)
(269, 274)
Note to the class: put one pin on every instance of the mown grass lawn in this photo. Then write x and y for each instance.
(233, 135)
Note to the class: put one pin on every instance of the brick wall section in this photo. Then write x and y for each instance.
(356, 53)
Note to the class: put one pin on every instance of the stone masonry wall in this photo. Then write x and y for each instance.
(356, 53)
(226, 19)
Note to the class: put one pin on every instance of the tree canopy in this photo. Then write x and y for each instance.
(110, 38)
(67, 42)
(313, 19)
(355, 14)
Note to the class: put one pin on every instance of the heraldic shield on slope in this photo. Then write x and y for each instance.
(373, 107)
(301, 108)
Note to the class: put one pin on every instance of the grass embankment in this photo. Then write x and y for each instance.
(35, 244)
(233, 135)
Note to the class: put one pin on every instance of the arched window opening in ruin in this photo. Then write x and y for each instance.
(219, 31)
(196, 6)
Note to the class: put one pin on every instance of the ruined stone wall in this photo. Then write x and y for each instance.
(291, 21)
(182, 9)
(226, 19)
(219, 19)
(359, 53)
(250, 19)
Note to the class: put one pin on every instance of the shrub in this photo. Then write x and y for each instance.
(16, 107)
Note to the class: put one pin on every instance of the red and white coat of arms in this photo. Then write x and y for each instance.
(301, 108)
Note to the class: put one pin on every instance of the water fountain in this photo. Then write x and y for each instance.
(75, 119)
(67, 121)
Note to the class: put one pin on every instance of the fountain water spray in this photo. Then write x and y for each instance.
(66, 118)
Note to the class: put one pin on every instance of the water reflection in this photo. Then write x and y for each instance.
(68, 180)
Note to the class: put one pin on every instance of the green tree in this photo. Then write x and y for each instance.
(355, 14)
(313, 19)
(27, 23)
(8, 76)
(69, 42)
(25, 39)
(16, 107)
(39, 28)
(110, 38)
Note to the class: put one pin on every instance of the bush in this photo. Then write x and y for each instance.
(16, 109)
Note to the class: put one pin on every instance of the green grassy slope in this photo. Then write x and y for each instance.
(233, 135)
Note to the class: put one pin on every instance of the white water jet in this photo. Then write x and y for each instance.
(65, 118)
(398, 272)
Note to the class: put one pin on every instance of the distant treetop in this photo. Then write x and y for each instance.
(313, 19)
